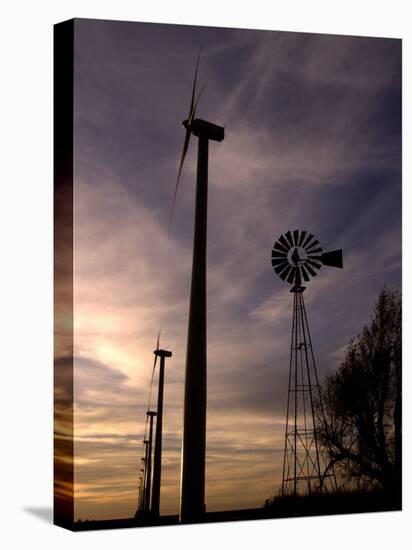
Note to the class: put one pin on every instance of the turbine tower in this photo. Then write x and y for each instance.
(141, 499)
(298, 255)
(148, 487)
(157, 461)
(192, 497)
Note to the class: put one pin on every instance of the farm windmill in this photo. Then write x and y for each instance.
(298, 255)
(192, 504)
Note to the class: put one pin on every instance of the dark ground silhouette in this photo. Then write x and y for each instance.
(348, 502)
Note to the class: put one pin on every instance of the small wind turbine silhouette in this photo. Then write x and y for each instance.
(157, 460)
(192, 505)
(143, 502)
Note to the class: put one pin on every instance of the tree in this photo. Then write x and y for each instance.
(362, 402)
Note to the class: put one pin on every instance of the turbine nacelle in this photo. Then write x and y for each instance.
(162, 353)
(205, 129)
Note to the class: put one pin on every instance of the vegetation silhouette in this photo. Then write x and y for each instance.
(344, 501)
(363, 403)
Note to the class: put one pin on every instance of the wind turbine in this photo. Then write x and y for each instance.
(145, 492)
(192, 499)
(157, 461)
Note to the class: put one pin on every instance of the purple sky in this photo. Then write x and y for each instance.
(312, 141)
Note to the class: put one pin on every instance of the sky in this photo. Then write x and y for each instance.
(312, 141)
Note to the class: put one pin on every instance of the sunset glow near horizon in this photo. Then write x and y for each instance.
(312, 141)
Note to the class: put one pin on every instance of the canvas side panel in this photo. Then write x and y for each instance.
(63, 274)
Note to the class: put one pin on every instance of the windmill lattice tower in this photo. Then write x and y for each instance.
(297, 256)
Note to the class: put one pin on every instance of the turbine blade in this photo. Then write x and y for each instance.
(192, 116)
(288, 235)
(291, 277)
(315, 264)
(316, 251)
(279, 267)
(157, 348)
(302, 236)
(179, 173)
(192, 111)
(192, 102)
(285, 272)
(311, 245)
(277, 261)
(278, 254)
(332, 259)
(284, 242)
(278, 246)
(304, 273)
(296, 237)
(311, 271)
(307, 240)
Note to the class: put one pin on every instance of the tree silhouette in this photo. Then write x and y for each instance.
(362, 403)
